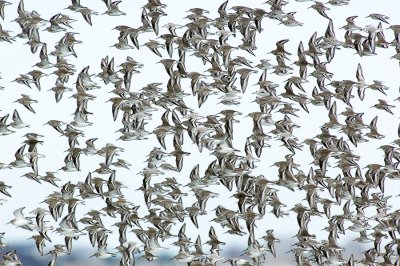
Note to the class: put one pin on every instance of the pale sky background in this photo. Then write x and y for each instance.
(17, 59)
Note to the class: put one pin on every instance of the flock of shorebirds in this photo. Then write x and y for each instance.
(209, 39)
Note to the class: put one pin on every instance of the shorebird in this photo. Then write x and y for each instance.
(3, 4)
(383, 105)
(26, 101)
(21, 221)
(379, 17)
(320, 8)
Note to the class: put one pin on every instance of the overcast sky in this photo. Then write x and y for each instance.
(16, 59)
